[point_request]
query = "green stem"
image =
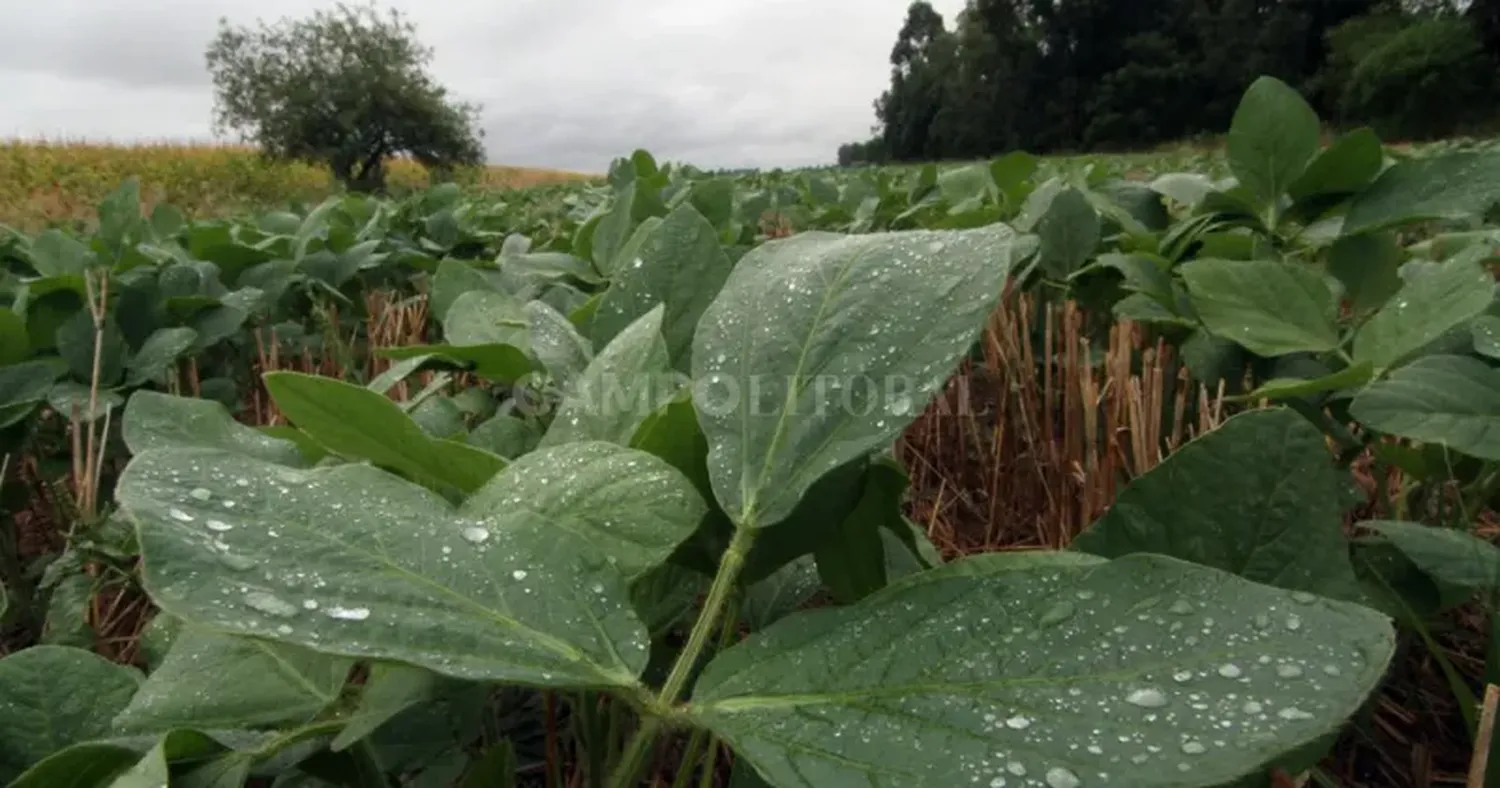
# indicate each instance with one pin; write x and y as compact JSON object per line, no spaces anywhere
{"x":689,"y":759}
{"x":634,"y":760}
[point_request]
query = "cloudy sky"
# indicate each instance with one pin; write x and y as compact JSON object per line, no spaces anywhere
{"x":564,"y":83}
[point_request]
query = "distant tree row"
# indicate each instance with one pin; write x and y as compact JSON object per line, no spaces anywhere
{"x":1056,"y":75}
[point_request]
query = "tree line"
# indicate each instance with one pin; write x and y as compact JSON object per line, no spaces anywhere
{"x":1072,"y":75}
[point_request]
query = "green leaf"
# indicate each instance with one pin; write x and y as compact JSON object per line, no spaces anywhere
{"x":852,"y":563}
{"x":154,"y":420}
{"x":1449,"y":400}
{"x":356,"y":562}
{"x":1367,"y":266}
{"x":631,"y":505}
{"x":212,"y":681}
{"x":486,"y":317}
{"x":453,"y":279}
{"x":158,"y":356}
{"x":1288,"y":388}
{"x":1069,"y":232}
{"x":356,"y":422}
{"x":1258,"y":497}
{"x":787,"y":589}
{"x":497,"y":363}
{"x":1273,"y":136}
{"x":56,"y":697}
{"x":495,"y":769}
{"x":15,"y":345}
{"x":1427,"y":307}
{"x":681,"y":266}
{"x":1270,"y":308}
{"x":1486,"y":332}
{"x":505,"y":436}
{"x":390,"y":689}
{"x":1345,"y":167}
{"x":1448,"y":186}
{"x":563,"y":352}
{"x":1053,"y":672}
{"x":24,"y":385}
{"x":75,"y":343}
{"x":55,"y":253}
{"x":70,"y":398}
{"x":1445,"y":554}
{"x":622,"y":387}
{"x":822,"y":347}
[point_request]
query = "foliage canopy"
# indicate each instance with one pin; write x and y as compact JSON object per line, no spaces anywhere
{"x":347,"y":87}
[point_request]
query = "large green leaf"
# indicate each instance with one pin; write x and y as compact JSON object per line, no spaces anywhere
{"x":627,"y":382}
{"x":52,"y":697}
{"x":1424,"y":309}
{"x":556,"y":342}
{"x":351,"y":560}
{"x":356,"y":422}
{"x":1273,"y":136}
{"x":1271,"y":308}
{"x":632,"y":506}
{"x":158,"y":355}
{"x":77,"y":340}
{"x":155,"y":421}
{"x":1368,"y":267}
{"x":486,"y":317}
{"x":822,"y":347}
{"x":680,"y":266}
{"x":1146,"y":668}
{"x":1344,"y":167}
{"x":1446,"y":554}
{"x":1069,"y":232}
{"x":212,"y":681}
{"x":1258,"y":496}
{"x":1448,"y":400}
{"x":1442,"y":186}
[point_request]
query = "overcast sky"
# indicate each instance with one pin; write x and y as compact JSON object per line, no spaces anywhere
{"x":564,"y":83}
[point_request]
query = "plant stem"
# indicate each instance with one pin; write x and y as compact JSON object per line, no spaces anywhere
{"x":634,"y":759}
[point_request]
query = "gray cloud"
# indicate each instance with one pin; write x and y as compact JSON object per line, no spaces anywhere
{"x":564,"y":83}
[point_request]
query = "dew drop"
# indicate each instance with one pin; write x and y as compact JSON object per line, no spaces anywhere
{"x":1294,"y":622}
{"x":310,"y":604}
{"x":1147,"y":698}
{"x":284,"y":629}
{"x":179,"y":515}
{"x":1230,"y":671}
{"x":1303,"y":597}
{"x":475,"y":534}
{"x":1018,"y":723}
{"x":1193,"y":748}
{"x":1085,"y":594}
{"x":270,"y":604}
{"x":1058,"y":613}
{"x":1058,"y":777}
{"x":998,"y":782}
{"x":1252,"y":707}
{"x":1016,"y":768}
{"x":1181,"y":607}
{"x":200,"y":494}
{"x":218,"y":525}
{"x":1289,"y":671}
{"x":519,"y":574}
{"x":1182,"y":676}
{"x":348,"y":613}
{"x":1332,"y":670}
{"x":238,"y":563}
{"x":1293,"y":713}
{"x":1262,"y":622}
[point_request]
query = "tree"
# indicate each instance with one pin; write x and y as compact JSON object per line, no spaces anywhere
{"x":347,"y":88}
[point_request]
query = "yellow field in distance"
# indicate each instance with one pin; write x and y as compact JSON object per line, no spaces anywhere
{"x":45,"y":183}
